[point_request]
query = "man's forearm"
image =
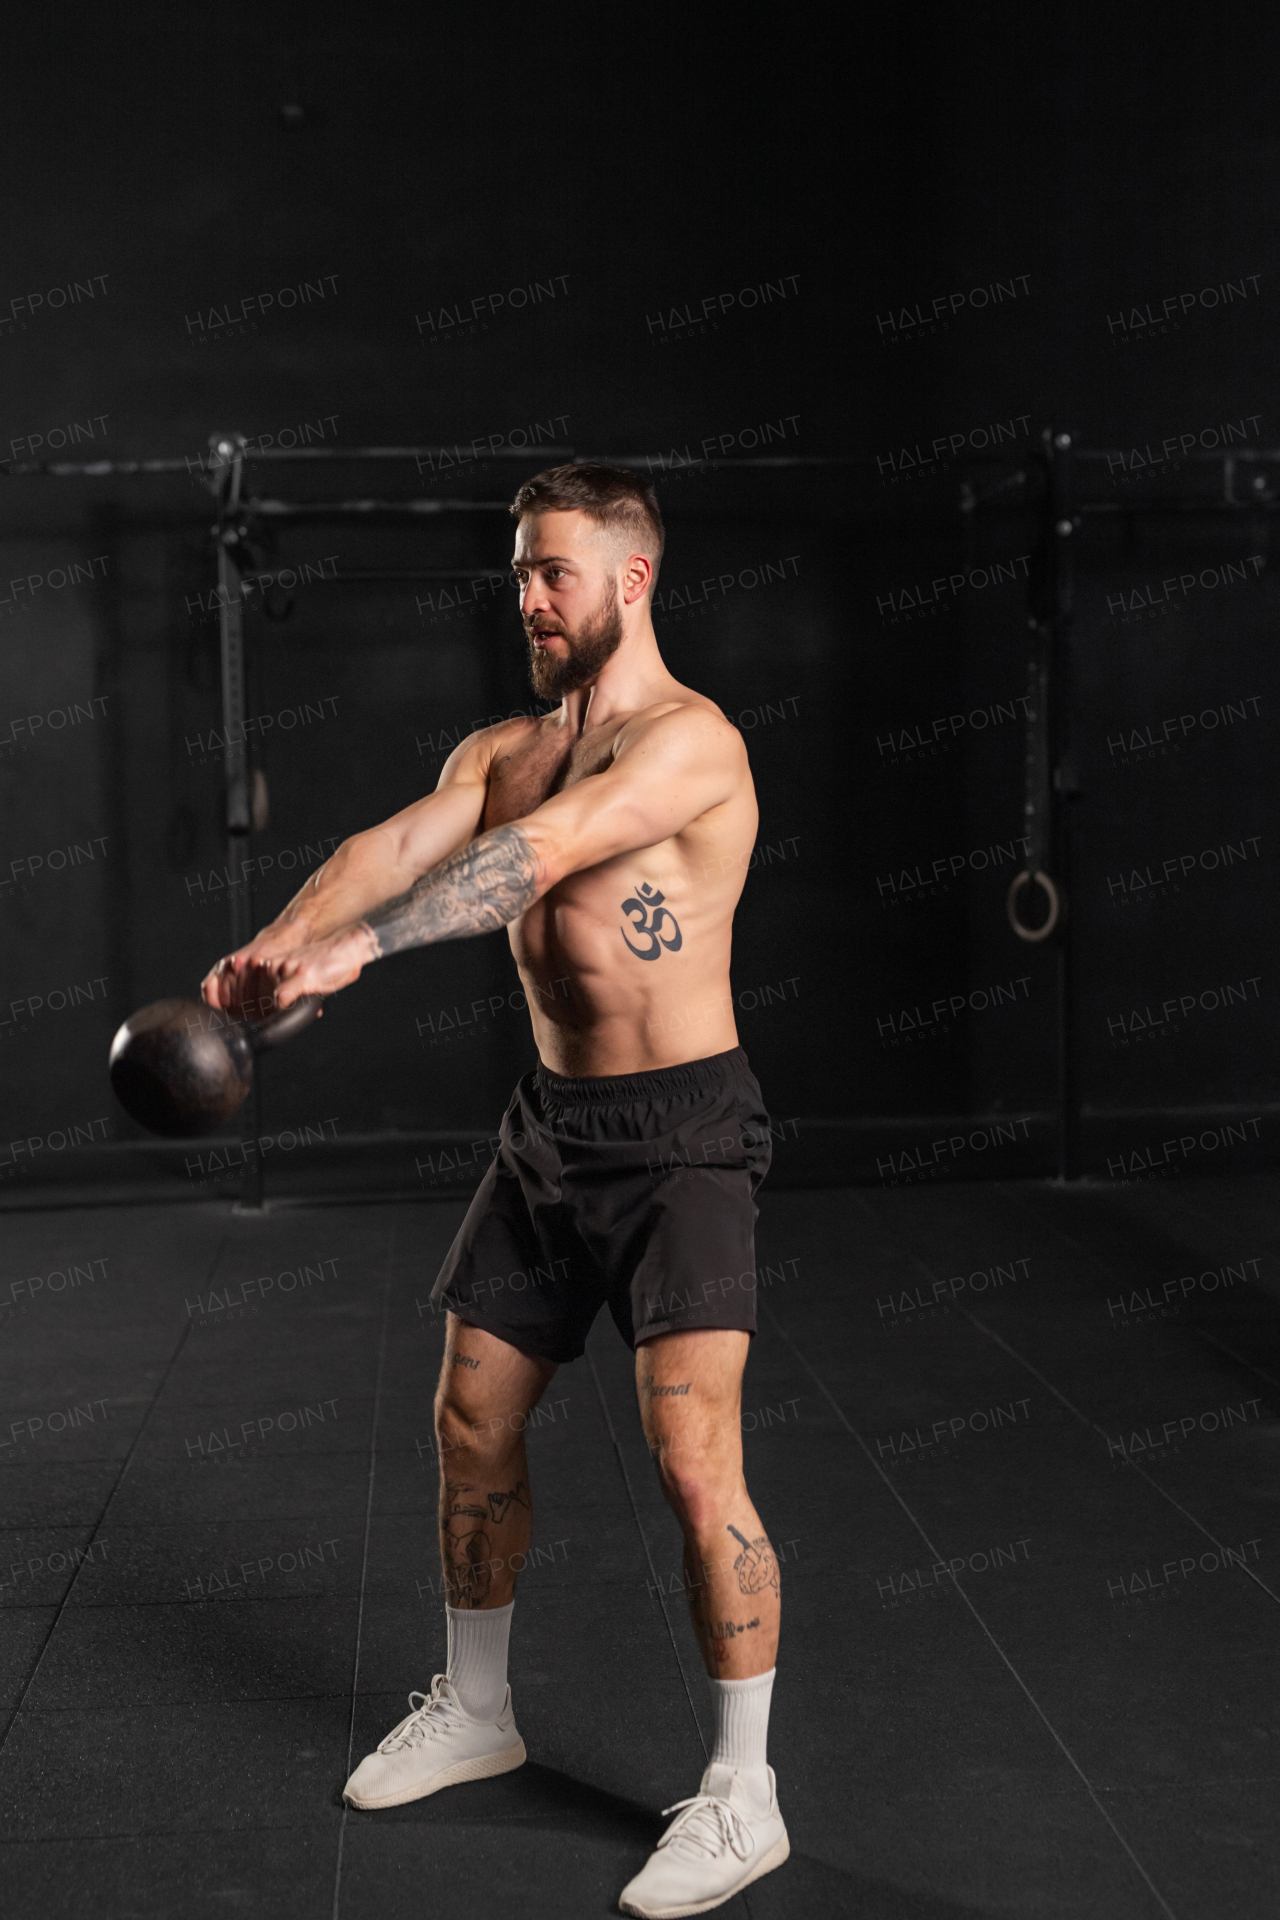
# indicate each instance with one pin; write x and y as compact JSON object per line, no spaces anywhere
{"x":483,"y":886}
{"x":357,"y":877}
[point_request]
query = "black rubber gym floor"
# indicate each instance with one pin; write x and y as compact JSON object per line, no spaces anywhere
{"x":1015,"y":1446}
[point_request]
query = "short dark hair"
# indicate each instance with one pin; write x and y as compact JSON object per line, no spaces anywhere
{"x":610,"y":496}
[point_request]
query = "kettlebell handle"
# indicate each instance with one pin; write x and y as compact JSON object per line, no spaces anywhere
{"x":281,"y":1026}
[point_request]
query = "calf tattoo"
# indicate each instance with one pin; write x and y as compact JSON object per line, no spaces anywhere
{"x":500,"y":1504}
{"x":637,"y":911}
{"x":658,"y":1393}
{"x":462,"y":1360}
{"x":468,"y":1562}
{"x":485,"y":885}
{"x":467,"y":1569}
{"x":755,"y":1566}
{"x":721,"y":1632}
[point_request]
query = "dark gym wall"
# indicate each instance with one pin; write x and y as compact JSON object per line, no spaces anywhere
{"x":385,"y":176}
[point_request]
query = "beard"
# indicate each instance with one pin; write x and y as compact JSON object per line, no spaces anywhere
{"x":595,"y":641}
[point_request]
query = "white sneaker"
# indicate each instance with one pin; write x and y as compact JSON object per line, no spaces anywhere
{"x":716,"y":1847}
{"x":437,"y":1745}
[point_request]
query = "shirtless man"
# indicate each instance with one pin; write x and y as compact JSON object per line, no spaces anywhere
{"x":611,"y":837}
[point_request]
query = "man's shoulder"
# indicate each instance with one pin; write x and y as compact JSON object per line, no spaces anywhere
{"x":474,"y":756}
{"x":686,"y":719}
{"x":517,"y":726}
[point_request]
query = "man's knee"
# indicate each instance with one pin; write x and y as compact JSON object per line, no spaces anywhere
{"x":485,"y":1392}
{"x":471,"y":1422}
{"x":697,"y":1475}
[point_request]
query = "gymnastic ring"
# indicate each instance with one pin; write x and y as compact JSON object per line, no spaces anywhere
{"x":1033,"y":934}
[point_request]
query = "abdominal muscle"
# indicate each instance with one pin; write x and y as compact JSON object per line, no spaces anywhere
{"x":619,"y":980}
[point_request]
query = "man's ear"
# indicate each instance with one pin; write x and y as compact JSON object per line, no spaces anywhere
{"x":636,"y":577}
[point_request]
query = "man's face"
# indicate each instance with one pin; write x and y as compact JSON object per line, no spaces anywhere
{"x":568,"y":600}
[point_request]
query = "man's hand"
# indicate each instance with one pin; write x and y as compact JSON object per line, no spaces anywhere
{"x":367,"y":869}
{"x":244,"y":983}
{"x":326,"y":965}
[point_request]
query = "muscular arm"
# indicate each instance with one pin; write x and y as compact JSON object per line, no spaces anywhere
{"x":476,"y":890}
{"x":667,"y":771}
{"x":364,"y":870}
{"x":369,"y":865}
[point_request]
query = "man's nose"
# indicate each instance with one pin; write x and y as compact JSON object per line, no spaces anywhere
{"x":534,"y":598}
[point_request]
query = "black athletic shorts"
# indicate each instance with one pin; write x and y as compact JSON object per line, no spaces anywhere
{"x":633,"y":1190}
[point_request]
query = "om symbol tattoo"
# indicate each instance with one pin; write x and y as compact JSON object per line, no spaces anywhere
{"x":638,"y":910}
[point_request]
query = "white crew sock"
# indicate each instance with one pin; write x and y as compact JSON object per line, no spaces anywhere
{"x":477,"y":1666}
{"x":742,"y":1730}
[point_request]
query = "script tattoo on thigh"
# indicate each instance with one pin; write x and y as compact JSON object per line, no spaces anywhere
{"x":755,"y":1566}
{"x":637,"y":909}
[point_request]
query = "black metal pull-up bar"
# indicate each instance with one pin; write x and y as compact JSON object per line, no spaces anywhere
{"x":220,"y":457}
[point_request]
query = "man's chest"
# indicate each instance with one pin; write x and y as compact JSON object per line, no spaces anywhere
{"x":521,"y":780}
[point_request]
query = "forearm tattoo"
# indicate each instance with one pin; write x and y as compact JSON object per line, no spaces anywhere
{"x":483,"y":886}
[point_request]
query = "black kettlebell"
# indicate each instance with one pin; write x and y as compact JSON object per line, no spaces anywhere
{"x":180,"y":1068}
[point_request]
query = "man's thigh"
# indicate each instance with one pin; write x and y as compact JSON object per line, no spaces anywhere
{"x":486,"y":1382}
{"x":530,"y":1285}
{"x":689,"y":1240}
{"x":690,"y":1391}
